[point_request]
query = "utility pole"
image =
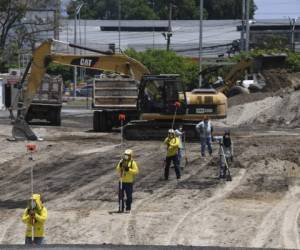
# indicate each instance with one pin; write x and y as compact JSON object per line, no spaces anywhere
{"x":153,"y":28}
{"x":247,"y":25}
{"x":169,"y":34}
{"x":293,"y":25}
{"x":119,"y":25}
{"x":242,"y":42}
{"x":75,"y":41}
{"x":77,"y":11}
{"x":200,"y":41}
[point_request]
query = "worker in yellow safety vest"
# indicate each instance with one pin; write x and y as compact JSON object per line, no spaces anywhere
{"x":172,"y":142}
{"x":127,"y":168}
{"x":35,"y":216}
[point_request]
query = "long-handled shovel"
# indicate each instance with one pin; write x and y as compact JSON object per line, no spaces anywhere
{"x":177,"y":106}
{"x":121,"y":196}
{"x":185,"y":154}
{"x":31,"y":148}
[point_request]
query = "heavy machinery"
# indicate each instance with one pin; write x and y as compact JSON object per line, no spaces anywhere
{"x":233,"y":83}
{"x":43,"y":56}
{"x":157,"y":108}
{"x":47,"y":103}
{"x":156,"y":95}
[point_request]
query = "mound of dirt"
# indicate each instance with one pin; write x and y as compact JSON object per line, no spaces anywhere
{"x":277,"y":111}
{"x":246,"y":98}
{"x":276,"y":79}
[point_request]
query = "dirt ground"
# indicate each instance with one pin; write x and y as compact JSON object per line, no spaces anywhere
{"x":74,"y":170}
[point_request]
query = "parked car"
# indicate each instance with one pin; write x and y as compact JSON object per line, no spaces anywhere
{"x":85,"y":91}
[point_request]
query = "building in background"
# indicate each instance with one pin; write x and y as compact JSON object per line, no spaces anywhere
{"x":269,"y":34}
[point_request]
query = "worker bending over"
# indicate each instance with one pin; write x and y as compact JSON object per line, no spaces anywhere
{"x":35,"y":216}
{"x":127,"y":169}
{"x":172,"y":143}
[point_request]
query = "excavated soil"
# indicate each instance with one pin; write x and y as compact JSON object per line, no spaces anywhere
{"x":276,"y":79}
{"x":74,"y":170}
{"x":276,"y":107}
{"x":75,"y":173}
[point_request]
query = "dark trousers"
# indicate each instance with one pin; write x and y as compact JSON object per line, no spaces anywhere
{"x":205,"y":141}
{"x":173,"y":159}
{"x":36,"y":241}
{"x":127,"y":189}
{"x":7,"y":89}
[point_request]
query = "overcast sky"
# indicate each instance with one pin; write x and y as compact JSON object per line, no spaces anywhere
{"x":274,"y":9}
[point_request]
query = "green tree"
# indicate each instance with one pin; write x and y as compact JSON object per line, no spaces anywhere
{"x":18,"y":29}
{"x":227,"y":9}
{"x":159,"y":9}
{"x":168,"y":62}
{"x":95,"y":9}
{"x":137,"y":10}
{"x":108,"y":9}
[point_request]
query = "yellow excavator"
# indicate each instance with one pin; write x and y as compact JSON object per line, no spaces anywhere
{"x":232,"y":83}
{"x":155,"y":109}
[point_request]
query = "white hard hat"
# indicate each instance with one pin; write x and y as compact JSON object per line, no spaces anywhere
{"x":128,"y":152}
{"x":171,"y":131}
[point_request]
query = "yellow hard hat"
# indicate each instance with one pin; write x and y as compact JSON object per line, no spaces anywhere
{"x":128,"y":152}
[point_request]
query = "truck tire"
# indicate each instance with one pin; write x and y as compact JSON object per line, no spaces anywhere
{"x":236,"y":90}
{"x":96,"y":121}
{"x":58,"y":118}
{"x":55,"y":119}
{"x":99,"y":121}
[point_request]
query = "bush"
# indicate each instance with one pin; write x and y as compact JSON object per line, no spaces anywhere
{"x":168,"y":62}
{"x":293,"y":62}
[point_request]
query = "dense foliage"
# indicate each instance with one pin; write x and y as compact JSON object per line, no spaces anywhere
{"x":292,"y":60}
{"x":159,"y":9}
{"x":168,"y":62}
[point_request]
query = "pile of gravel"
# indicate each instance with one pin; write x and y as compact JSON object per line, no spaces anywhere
{"x":271,"y":112}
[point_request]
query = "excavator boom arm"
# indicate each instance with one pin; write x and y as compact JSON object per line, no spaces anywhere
{"x":42,"y":56}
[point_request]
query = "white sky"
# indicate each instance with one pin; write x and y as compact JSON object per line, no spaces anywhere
{"x":277,"y":9}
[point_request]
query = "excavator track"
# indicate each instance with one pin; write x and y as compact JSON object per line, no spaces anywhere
{"x":157,"y":130}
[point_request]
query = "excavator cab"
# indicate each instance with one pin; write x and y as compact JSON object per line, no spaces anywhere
{"x":158,"y":110}
{"x":158,"y":94}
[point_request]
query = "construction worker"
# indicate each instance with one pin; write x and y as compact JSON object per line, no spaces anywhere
{"x":127,"y":169}
{"x":172,"y":143}
{"x":35,"y":216}
{"x":180,"y":134}
{"x":205,"y":129}
{"x":226,"y":153}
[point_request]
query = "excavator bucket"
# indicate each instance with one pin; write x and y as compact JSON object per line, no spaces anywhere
{"x":22,"y":131}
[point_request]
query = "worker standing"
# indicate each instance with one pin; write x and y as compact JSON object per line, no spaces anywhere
{"x":127,"y":169}
{"x":172,"y":143}
{"x":35,"y":216}
{"x":180,"y":134}
{"x":205,"y":129}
